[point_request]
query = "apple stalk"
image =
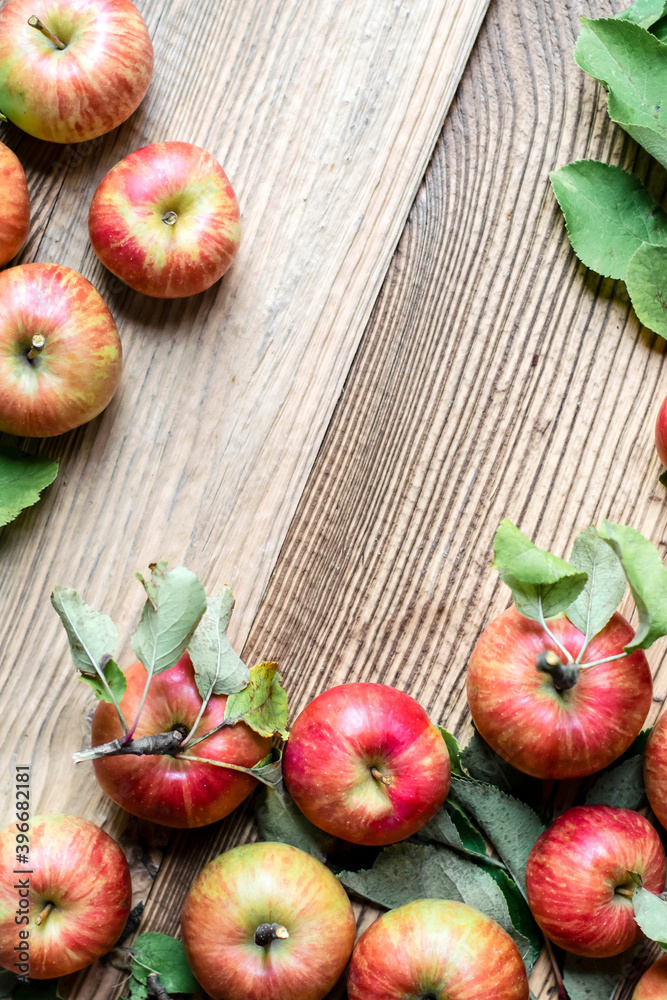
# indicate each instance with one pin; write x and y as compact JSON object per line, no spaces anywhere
{"x":35,"y":22}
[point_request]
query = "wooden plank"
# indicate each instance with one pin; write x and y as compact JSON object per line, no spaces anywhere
{"x":324,"y":115}
{"x":497,"y":377}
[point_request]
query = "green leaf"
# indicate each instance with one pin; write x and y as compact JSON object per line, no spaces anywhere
{"x":519,"y":911}
{"x":511,"y":826}
{"x":453,"y":749}
{"x":218,"y":668}
{"x":542,"y":584}
{"x":115,"y":682}
{"x":609,"y":214}
{"x":621,"y":786}
{"x":405,"y":872}
{"x":166,"y":956}
{"x":604,"y":588}
{"x":662,"y":478}
{"x":646,"y":282}
{"x":632,"y":64}
{"x":484,"y":764}
{"x":452,"y":827}
{"x":651,"y":915}
{"x":647,"y":577}
{"x":644,"y":12}
{"x":278,"y":818}
{"x":22,"y":479}
{"x":262,"y":704}
{"x":93,"y":638}
{"x":592,"y":978}
{"x":175,"y":605}
{"x":660,"y":29}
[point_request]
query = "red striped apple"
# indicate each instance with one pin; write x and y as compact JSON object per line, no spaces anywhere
{"x":541,"y":727}
{"x":165,"y":220}
{"x":655,"y":769}
{"x":435,"y":948}
{"x":267,"y":920}
{"x":661,"y":432}
{"x":15,"y":200}
{"x":164,"y":788}
{"x":60,"y":353}
{"x":653,"y":984}
{"x":365,"y":763}
{"x":68,"y":903}
{"x":581,"y":875}
{"x":71,"y":70}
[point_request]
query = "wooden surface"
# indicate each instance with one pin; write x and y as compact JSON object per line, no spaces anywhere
{"x":324,"y":116}
{"x":496,"y":377}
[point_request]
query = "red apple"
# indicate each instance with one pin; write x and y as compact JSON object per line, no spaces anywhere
{"x":166,"y":220}
{"x":435,"y":948}
{"x":365,"y":763}
{"x":15,"y":201}
{"x":655,"y":769}
{"x":581,"y":875}
{"x":71,"y":70}
{"x":60,"y":353}
{"x":167,"y":789}
{"x":267,"y":921}
{"x":546,"y":731}
{"x":661,"y":432}
{"x":653,"y":984}
{"x":67,"y":903}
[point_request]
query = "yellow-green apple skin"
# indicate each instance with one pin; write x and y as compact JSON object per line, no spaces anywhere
{"x":262,"y":884}
{"x":436,"y":949}
{"x":82,"y":873}
{"x":165,"y":220}
{"x":14,"y":205}
{"x":74,"y":374}
{"x":653,"y":984}
{"x":87,"y":88}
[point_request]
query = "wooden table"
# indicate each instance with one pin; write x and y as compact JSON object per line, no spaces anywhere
{"x":495,"y":377}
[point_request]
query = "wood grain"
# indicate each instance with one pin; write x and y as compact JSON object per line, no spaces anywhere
{"x":497,"y":377}
{"x":324,"y":115}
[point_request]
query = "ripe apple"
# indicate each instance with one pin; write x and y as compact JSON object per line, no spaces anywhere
{"x":655,"y":769}
{"x":661,"y":432}
{"x":581,"y":875}
{"x":546,"y":731}
{"x":365,"y":763}
{"x":267,"y":920}
{"x":653,"y":984}
{"x":67,"y":903}
{"x":60,"y":353}
{"x":435,"y":948}
{"x":164,"y":788}
{"x":15,"y":200}
{"x":71,"y":70}
{"x":166,"y":220}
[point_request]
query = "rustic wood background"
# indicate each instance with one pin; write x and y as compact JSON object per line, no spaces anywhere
{"x":496,"y":377}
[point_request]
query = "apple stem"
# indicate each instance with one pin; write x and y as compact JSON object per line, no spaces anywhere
{"x":160,"y":744}
{"x":564,"y":675}
{"x":266,"y":933}
{"x":35,"y":22}
{"x":44,"y":914}
{"x":624,"y":890}
{"x":170,"y":218}
{"x":379,"y":776}
{"x":37,"y":345}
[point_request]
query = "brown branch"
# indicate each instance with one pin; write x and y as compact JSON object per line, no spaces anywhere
{"x":160,"y":744}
